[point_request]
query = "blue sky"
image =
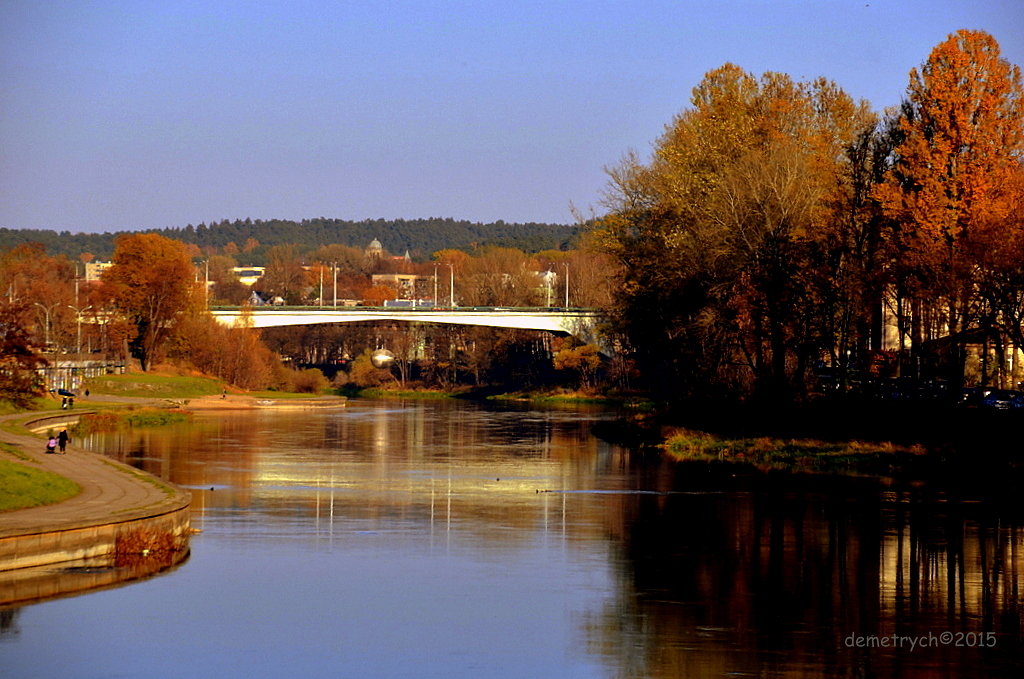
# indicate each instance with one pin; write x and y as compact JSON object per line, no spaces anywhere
{"x":129,"y":115}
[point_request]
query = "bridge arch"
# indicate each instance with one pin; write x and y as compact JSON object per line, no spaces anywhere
{"x":580,"y":323}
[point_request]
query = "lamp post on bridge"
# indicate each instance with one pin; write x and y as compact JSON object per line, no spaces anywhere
{"x":566,"y":265}
{"x":451,"y":283}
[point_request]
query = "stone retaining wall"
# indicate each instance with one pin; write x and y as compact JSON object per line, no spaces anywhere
{"x":167,"y":532}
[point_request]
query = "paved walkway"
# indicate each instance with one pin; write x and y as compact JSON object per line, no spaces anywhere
{"x":111,"y":491}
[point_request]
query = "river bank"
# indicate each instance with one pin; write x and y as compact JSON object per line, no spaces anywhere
{"x":120,"y":516}
{"x":912,"y":440}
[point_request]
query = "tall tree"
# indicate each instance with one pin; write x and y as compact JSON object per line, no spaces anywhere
{"x":499,"y":277}
{"x":954,"y":178}
{"x":19,"y":378}
{"x":284,"y":276}
{"x":719,"y":237}
{"x":150,"y":283}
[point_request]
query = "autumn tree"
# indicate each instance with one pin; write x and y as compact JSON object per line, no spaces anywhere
{"x":587,"y":272}
{"x":954,"y":182}
{"x":497,"y":276}
{"x":150,"y":283}
{"x":376,"y":295}
{"x":717,"y":239}
{"x":235,"y":354}
{"x":20,"y":381}
{"x":284,"y":276}
{"x":225,"y":288}
{"x":345,"y":258}
{"x":46,"y":285}
{"x":581,"y":360}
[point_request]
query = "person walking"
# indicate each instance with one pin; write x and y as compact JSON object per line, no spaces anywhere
{"x":51,"y":444}
{"x":63,"y":438}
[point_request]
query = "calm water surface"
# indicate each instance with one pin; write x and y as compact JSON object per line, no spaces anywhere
{"x":444,"y":539}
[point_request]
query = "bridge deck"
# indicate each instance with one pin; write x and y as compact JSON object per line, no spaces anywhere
{"x":578,"y":322}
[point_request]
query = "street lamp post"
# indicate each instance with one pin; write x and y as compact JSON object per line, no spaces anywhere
{"x":78,"y":330}
{"x":451,"y":285}
{"x":46,"y":328}
{"x":566,"y":265}
{"x":47,"y":310}
{"x":334,"y":267}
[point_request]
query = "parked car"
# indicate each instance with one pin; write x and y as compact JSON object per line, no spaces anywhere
{"x":1003,"y":399}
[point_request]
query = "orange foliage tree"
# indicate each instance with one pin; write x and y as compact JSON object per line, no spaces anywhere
{"x":723,"y":242}
{"x":150,"y":283}
{"x":954,"y":183}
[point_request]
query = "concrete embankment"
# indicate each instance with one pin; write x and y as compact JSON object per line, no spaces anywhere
{"x":123,"y":519}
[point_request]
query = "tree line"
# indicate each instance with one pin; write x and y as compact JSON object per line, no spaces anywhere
{"x":154,"y":306}
{"x":249,"y":239}
{"x":782,"y":231}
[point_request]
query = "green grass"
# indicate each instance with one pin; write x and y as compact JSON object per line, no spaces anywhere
{"x":13,"y":450}
{"x":802,"y":455}
{"x":38,"y":403}
{"x":154,"y":386}
{"x":22,"y":486}
{"x":376,"y":392}
{"x":134,"y":417}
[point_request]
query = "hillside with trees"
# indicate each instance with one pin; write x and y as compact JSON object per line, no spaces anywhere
{"x":250,"y":239}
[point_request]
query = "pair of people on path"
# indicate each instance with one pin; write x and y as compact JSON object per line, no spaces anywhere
{"x":60,"y":440}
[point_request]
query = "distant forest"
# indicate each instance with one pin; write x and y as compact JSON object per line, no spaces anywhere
{"x":421,"y":237}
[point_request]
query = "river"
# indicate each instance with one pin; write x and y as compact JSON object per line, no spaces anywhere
{"x":450,"y":539}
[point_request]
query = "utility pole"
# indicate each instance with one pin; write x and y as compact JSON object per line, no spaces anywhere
{"x":334,"y":266}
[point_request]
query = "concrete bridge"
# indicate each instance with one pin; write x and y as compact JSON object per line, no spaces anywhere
{"x":581,"y":323}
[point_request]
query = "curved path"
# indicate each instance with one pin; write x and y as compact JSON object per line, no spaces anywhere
{"x":113,"y":494}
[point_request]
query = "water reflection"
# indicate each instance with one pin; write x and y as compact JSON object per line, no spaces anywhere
{"x":24,"y":586}
{"x":799,"y":578}
{"x":664,"y":570}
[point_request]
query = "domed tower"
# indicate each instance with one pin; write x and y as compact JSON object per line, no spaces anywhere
{"x":374,"y":250}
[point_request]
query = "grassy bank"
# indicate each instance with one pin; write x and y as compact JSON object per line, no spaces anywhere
{"x":377,"y":392}
{"x":38,"y":403}
{"x":155,"y":386}
{"x":22,"y":486}
{"x":800,"y":455}
{"x":574,"y":397}
{"x":135,"y":417}
{"x":492,"y":394}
